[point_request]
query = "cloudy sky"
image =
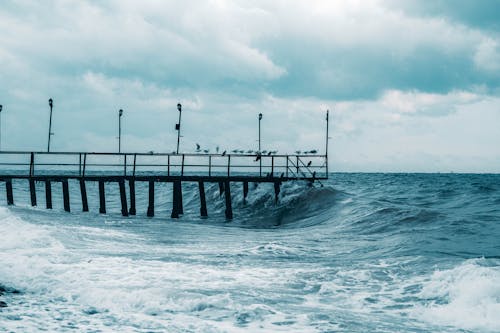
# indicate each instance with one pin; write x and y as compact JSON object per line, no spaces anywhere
{"x":411,"y":85}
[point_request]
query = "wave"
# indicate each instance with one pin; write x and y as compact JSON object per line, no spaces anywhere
{"x":466,"y":296}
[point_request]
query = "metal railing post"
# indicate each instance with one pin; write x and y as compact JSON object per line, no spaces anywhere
{"x":182,"y":166}
{"x":209,"y":165}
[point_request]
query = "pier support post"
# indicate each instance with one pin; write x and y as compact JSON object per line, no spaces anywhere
{"x":151,"y":206}
{"x":102,"y":198}
{"x":83,"y":192}
{"x":245,"y":191}
{"x":123,"y":198}
{"x":65,"y":188}
{"x":48,"y":194}
{"x":229,"y":208}
{"x":277,"y":190}
{"x":203,"y":201}
{"x":221,"y":188}
{"x":32,"y":192}
{"x":8,"y":188}
{"x":131,"y":185}
{"x":177,"y":200}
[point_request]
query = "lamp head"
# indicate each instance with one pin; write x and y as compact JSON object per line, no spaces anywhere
{"x":179,"y":107}
{"x":260,"y":116}
{"x":120,"y":113}
{"x":51,"y":102}
{"x":1,"y":107}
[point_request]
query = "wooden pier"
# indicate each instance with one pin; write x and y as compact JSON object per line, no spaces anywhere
{"x":129,"y":168}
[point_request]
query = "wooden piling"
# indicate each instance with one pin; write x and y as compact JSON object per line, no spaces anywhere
{"x":229,"y":208}
{"x":8,"y":188}
{"x":277,"y":190}
{"x":65,"y":188}
{"x":245,"y":191}
{"x":32,"y":192}
{"x":102,"y":198}
{"x":203,"y":201}
{"x":83,"y":192}
{"x":123,"y":197}
{"x":221,"y":188}
{"x":48,"y":194}
{"x":177,"y":200}
{"x":131,"y":185}
{"x":151,"y":206}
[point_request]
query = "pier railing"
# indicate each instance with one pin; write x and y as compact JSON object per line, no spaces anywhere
{"x":22,"y":164}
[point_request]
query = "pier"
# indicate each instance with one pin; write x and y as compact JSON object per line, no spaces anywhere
{"x":51,"y":168}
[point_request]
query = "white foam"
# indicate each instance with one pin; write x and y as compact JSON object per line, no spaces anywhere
{"x":467,"y":297}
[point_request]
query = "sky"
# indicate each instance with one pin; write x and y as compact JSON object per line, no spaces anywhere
{"x":412,"y":86}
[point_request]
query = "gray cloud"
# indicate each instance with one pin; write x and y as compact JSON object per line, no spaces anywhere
{"x":386,"y":69}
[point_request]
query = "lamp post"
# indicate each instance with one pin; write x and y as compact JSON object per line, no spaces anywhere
{"x":1,"y":107}
{"x":260,"y":118}
{"x":51,"y":104}
{"x":120,"y":114}
{"x":178,"y":126}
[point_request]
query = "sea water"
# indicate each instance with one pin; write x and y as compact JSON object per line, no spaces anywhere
{"x":362,"y":253}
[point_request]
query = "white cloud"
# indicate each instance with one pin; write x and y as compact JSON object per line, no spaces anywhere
{"x":487,"y":56}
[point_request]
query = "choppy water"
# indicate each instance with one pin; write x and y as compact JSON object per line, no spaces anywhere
{"x":365,"y":253}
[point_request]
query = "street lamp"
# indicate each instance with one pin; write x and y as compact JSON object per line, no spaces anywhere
{"x":260,"y":118}
{"x":178,"y":126}
{"x":51,"y":104}
{"x":120,"y":114}
{"x":1,"y":107}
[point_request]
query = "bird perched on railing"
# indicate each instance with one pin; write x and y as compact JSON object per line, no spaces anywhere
{"x":198,"y":148}
{"x":297,"y":152}
{"x":224,"y":153}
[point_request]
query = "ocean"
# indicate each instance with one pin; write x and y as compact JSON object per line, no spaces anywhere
{"x":363,"y":253}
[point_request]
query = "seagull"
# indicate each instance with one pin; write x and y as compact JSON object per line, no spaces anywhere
{"x":314,"y":151}
{"x":198,"y":149}
{"x":264,"y":152}
{"x":241,"y":151}
{"x":234,"y":151}
{"x":250,"y":151}
{"x":297,"y":152}
{"x":269,"y":154}
{"x":206,"y":151}
{"x":309,"y":164}
{"x":274,"y":152}
{"x":224,"y":153}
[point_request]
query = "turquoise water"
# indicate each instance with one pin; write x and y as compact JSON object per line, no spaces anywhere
{"x":364,"y":253}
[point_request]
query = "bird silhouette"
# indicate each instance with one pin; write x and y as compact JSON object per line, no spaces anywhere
{"x":297,"y":152}
{"x":264,"y":152}
{"x":217,"y":149}
{"x":224,"y":153}
{"x":269,"y":154}
{"x":206,"y":151}
{"x":314,"y":151}
{"x":257,"y":158}
{"x":309,"y":164}
{"x":234,"y":151}
{"x":198,"y":148}
{"x":250,"y":151}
